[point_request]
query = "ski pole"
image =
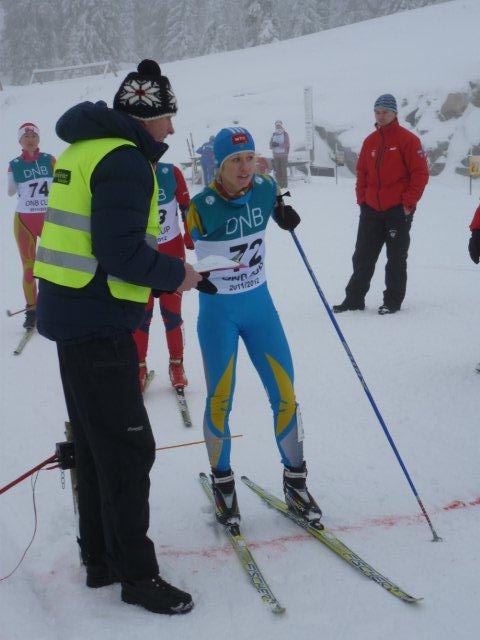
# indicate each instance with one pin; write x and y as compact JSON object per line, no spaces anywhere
{"x":14,"y":313}
{"x":436,"y":538}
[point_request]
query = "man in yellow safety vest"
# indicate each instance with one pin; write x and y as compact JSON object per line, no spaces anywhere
{"x":97,"y":263}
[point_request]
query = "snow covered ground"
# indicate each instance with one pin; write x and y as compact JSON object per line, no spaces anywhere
{"x":419,"y":365}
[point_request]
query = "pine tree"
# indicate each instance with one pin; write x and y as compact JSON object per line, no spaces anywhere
{"x":182,"y":32}
{"x":150,"y":28}
{"x":91,"y":31}
{"x":309,"y":16}
{"x":29,"y":38}
{"x":261,"y":23}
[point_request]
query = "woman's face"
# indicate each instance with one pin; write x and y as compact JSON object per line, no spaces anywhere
{"x":29,"y":141}
{"x":237,"y":171}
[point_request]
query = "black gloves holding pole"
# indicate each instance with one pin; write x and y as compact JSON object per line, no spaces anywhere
{"x":474,"y":246}
{"x":284,"y":215}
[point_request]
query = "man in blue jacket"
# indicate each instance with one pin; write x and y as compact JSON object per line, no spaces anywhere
{"x":97,"y":263}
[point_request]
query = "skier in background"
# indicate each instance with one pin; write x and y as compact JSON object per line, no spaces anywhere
{"x":229,"y":218}
{"x":172,"y":195}
{"x":474,"y":245}
{"x":29,"y":176}
{"x":280,"y":146}
{"x":207,"y":160}
{"x":392,"y":173}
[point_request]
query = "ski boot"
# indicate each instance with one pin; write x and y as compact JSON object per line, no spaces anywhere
{"x":297,"y":496}
{"x":30,"y":320}
{"x":177,"y":373}
{"x":226,"y":505}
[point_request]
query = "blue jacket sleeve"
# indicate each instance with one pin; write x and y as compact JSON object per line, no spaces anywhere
{"x":122,"y":186}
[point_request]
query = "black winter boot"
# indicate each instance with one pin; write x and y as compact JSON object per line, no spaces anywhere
{"x":383,"y":310}
{"x":348,"y":306}
{"x":226,"y":505}
{"x":157,"y":595}
{"x":100,"y":575}
{"x":297,"y":496}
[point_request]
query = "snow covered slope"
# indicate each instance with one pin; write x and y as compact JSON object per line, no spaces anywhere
{"x":419,"y":365}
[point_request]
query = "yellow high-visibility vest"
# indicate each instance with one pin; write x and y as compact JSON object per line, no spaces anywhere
{"x":64,"y":255}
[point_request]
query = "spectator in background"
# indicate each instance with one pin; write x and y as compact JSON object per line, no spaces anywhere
{"x":280,"y":146}
{"x":392,"y":173}
{"x":474,"y":244}
{"x":207,"y":160}
{"x":29,"y":177}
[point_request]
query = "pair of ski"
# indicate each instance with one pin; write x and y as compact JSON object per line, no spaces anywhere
{"x":323,"y":535}
{"x":179,"y":396}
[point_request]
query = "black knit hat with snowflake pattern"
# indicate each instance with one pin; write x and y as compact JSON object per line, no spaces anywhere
{"x":146,"y":94}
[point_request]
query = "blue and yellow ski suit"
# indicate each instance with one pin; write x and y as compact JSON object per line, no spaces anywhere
{"x":242,"y":308}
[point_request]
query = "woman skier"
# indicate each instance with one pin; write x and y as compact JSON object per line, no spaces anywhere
{"x":29,"y":176}
{"x":229,"y":218}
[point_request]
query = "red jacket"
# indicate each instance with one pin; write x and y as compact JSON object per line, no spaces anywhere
{"x":391,"y":169}
{"x":475,"y":223}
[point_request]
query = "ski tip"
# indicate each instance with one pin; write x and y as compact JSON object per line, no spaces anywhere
{"x":412,"y":600}
{"x":278,"y":609}
{"x":244,"y":478}
{"x":202,"y":474}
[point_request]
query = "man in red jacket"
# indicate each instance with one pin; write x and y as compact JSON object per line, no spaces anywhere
{"x":392,"y":173}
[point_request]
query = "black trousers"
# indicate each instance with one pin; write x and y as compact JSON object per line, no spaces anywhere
{"x":114,"y":452}
{"x":376,"y":228}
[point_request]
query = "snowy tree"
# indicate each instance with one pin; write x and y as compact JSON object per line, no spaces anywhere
{"x":261,"y":22}
{"x":92,"y":32}
{"x":80,"y":31}
{"x":150,"y":28}
{"x":217,"y":37}
{"x":182,"y":34}
{"x":29,"y":38}
{"x":309,"y":16}
{"x":127,"y":45}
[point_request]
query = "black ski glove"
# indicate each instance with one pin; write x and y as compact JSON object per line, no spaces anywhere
{"x":474,"y":246}
{"x":286,"y":217}
{"x":205,"y":285}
